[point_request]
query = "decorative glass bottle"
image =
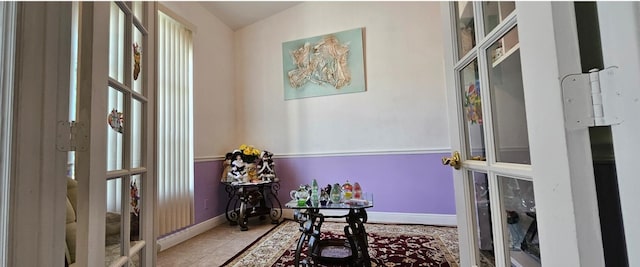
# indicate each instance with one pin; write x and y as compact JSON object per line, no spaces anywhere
{"x":315,"y":193}
{"x":347,"y":189}
{"x":336,"y":193}
{"x":357,"y":191}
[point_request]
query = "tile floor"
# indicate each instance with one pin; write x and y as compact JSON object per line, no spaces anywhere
{"x":214,"y":247}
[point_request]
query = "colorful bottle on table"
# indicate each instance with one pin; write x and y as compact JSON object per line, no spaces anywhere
{"x":315,"y":192}
{"x":347,"y":189}
{"x":357,"y":191}
{"x":335,"y":194}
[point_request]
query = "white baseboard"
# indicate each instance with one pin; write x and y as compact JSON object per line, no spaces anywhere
{"x":189,"y":232}
{"x":393,"y":217}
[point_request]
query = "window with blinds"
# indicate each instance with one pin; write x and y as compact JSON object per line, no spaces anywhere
{"x":175,"y":125}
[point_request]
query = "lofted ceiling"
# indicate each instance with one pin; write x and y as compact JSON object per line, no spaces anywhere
{"x":237,"y":14}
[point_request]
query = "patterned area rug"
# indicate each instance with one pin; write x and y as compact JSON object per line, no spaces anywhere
{"x":389,"y":245}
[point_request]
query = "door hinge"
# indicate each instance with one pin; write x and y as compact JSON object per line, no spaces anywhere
{"x":591,"y":99}
{"x":72,"y":136}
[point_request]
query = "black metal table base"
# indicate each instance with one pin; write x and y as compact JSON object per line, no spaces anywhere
{"x":355,"y":219}
{"x":251,"y":200}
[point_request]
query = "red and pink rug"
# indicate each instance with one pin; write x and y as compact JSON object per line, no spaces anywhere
{"x":389,"y":245}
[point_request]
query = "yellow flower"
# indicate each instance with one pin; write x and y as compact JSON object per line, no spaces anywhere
{"x":249,"y":150}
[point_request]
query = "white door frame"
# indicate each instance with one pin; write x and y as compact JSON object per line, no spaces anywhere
{"x":7,"y":51}
{"x":91,"y":163}
{"x":464,"y":216}
{"x":38,"y":185}
{"x":568,"y":221}
{"x":150,"y":220}
{"x":620,"y":35}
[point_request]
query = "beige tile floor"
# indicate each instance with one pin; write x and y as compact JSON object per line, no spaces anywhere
{"x":214,"y":247}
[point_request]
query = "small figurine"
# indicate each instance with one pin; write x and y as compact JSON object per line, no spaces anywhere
{"x":226,"y":168}
{"x":238,"y":171}
{"x":324,"y":194}
{"x":137,"y":54}
{"x":266,"y":167}
{"x":134,"y":198}
{"x":115,"y":119}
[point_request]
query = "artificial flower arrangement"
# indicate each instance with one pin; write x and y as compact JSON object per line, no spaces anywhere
{"x":248,"y":164}
{"x":250,"y":154}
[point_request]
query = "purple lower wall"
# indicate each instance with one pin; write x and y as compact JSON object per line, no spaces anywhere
{"x":405,"y":183}
{"x":207,"y":188}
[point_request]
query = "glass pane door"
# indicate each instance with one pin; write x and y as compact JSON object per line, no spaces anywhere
{"x":126,"y":110}
{"x":482,"y":212}
{"x":519,"y":207}
{"x":511,"y":140}
{"x":472,"y":105}
{"x":114,"y":172}
{"x":496,"y":12}
{"x":500,"y":211}
{"x":465,"y":27}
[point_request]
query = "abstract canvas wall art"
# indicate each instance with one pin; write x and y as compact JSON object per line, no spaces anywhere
{"x":324,"y":65}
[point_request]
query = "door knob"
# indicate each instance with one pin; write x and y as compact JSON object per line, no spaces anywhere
{"x":453,"y":161}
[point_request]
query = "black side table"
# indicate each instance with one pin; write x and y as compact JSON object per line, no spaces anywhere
{"x":252,"y":199}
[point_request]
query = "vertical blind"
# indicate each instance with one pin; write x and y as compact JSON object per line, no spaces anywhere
{"x":175,"y":125}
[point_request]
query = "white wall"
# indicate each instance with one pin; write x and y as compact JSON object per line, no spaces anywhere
{"x":213,"y":90}
{"x":404,"y":107}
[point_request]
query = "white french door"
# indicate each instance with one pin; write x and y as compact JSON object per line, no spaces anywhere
{"x":497,"y":213}
{"x":115,"y":172}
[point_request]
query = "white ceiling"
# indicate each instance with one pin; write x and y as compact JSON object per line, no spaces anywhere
{"x":237,"y":14}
